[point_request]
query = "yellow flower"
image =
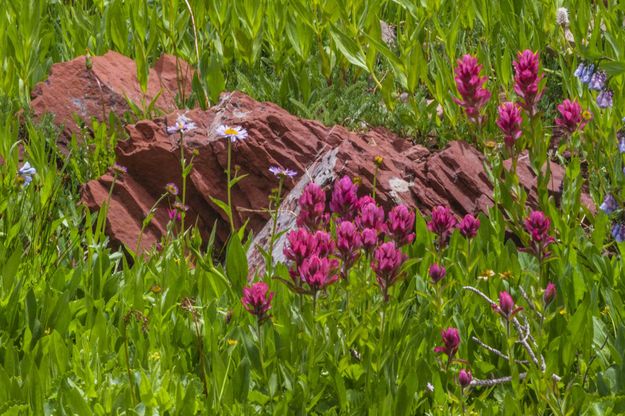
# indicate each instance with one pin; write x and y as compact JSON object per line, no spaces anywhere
{"x":232,"y":342}
{"x":155,"y":289}
{"x":486,"y":274}
{"x":155,"y":356}
{"x":505,"y":275}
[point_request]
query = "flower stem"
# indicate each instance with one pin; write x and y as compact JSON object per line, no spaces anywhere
{"x":274,"y":225}
{"x":228,"y":177}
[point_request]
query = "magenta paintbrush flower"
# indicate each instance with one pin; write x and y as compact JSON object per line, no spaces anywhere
{"x":469,"y":226}
{"x":537,"y":225}
{"x":527,"y":80}
{"x":369,"y":239}
{"x":371,"y":215}
{"x":451,"y":341}
{"x":509,"y":122}
{"x":442,"y":223}
{"x":464,"y":378}
{"x":400,"y":224}
{"x":344,"y":198}
{"x":437,"y":272}
{"x":318,"y":272}
{"x":387,"y":260}
{"x":348,"y":243}
{"x":571,"y":118}
{"x":506,"y":307}
{"x":471,"y":87}
{"x":257,"y":300}
{"x":550,"y":293}
{"x":312,"y":204}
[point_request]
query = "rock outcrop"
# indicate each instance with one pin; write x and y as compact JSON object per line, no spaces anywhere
{"x":74,"y":90}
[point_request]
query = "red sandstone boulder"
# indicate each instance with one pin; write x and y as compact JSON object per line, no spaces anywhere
{"x":74,"y":90}
{"x":410,"y":174}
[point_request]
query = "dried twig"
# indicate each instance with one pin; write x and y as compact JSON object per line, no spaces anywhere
{"x":496,"y":351}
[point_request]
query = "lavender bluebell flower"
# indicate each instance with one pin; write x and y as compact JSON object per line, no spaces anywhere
{"x":620,"y":136}
{"x":584,"y":72}
{"x":618,"y":232}
{"x":609,"y":204}
{"x":26,"y":172}
{"x":604,"y":99}
{"x":597,"y":81}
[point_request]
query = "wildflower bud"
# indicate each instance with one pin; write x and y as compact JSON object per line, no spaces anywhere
{"x":378,"y":160}
{"x":257,"y":301}
{"x":195,"y":152}
{"x":174,"y":214}
{"x":527,"y":80}
{"x":509,"y":121}
{"x":180,"y":207}
{"x":550,"y":293}
{"x":468,"y":226}
{"x":471,"y":87}
{"x":344,"y":198}
{"x":437,"y":272}
{"x":570,"y":119}
{"x":464,"y":378}
{"x":400,"y":224}
{"x":506,"y":305}
{"x":451,"y":341}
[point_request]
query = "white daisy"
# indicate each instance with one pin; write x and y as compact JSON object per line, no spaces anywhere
{"x":233,"y":133}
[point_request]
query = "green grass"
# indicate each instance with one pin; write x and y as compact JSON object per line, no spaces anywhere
{"x":85,"y":329}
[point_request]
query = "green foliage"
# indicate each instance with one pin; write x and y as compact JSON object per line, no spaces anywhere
{"x":83,"y":330}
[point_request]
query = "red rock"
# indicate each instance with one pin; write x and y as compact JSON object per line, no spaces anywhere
{"x":409,"y":173}
{"x":73,"y":90}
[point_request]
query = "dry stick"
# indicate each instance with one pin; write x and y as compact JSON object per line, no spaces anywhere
{"x":496,"y":351}
{"x":494,"y":381}
{"x":522,"y":339}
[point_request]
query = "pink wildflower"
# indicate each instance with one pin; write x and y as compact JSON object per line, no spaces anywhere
{"x":527,"y":80}
{"x":471,"y":87}
{"x":257,"y":301}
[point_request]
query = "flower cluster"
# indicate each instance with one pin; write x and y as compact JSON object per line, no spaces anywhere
{"x":596,"y":81}
{"x":361,"y":228}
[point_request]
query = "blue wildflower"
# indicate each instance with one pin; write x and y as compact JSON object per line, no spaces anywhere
{"x":604,"y":99}
{"x":26,"y":172}
{"x":621,"y":145}
{"x":183,"y":125}
{"x":609,"y":204}
{"x":597,"y":81}
{"x":618,"y":232}
{"x":584,"y":72}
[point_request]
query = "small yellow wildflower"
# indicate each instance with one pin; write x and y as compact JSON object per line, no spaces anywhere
{"x":232,"y":342}
{"x":486,"y":274}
